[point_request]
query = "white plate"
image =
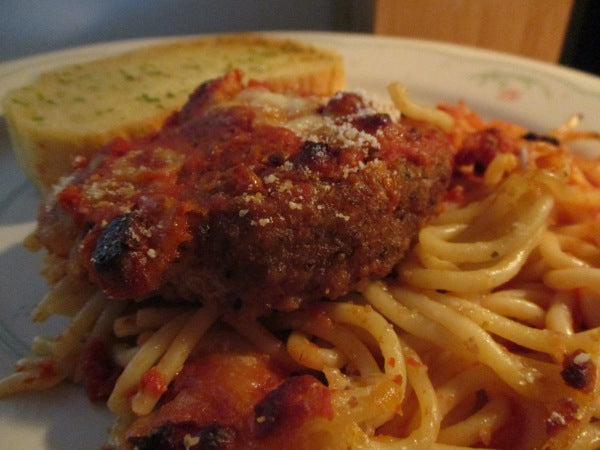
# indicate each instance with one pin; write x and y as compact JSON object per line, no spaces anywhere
{"x":537,"y":95}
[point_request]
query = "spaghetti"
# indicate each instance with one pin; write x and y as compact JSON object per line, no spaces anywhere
{"x":489,"y":335}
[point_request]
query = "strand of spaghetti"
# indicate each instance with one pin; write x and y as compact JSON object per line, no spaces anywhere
{"x":566,"y":437}
{"x":118,"y":430}
{"x":426,"y":434}
{"x":450,"y":229}
{"x":560,"y":319}
{"x":367,"y":318}
{"x":104,"y":324}
{"x":414,"y":322}
{"x":447,"y":365}
{"x":368,"y":403}
{"x":533,"y":418}
{"x":588,"y":307}
{"x":563,"y":279}
{"x":145,"y":319}
{"x":487,"y":215}
{"x":458,"y":392}
{"x":582,"y":230}
{"x":509,"y":368}
{"x":502,"y":164}
{"x":512,"y":199}
{"x":35,"y":374}
{"x":101,"y":331}
{"x":464,"y":384}
{"x":478,"y":280}
{"x":54,"y":269}
{"x":347,"y":342}
{"x":542,"y":340}
{"x":261,"y":337}
{"x":126,"y":326}
{"x":73,"y":336}
{"x":147,"y":355}
{"x":431,"y":261}
{"x":588,"y":438}
{"x":471,"y":252}
{"x":588,"y":165}
{"x":172,"y":361}
{"x":578,"y":247}
{"x":575,"y":200}
{"x":555,"y":257}
{"x":480,"y":426}
{"x":587,"y":339}
{"x":413,"y":110}
{"x":309,"y":354}
{"x":505,"y":304}
{"x":66,"y":297}
{"x":336,"y":380}
{"x":123,"y":354}
{"x":481,"y":251}
{"x":533,"y":291}
{"x":533,"y":271}
{"x":143,"y":337}
{"x":42,"y":345}
{"x":453,"y":221}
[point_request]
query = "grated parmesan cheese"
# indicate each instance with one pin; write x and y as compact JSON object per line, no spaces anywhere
{"x":257,"y":198}
{"x":582,"y":358}
{"x":190,"y":441}
{"x":263,"y":222}
{"x":271,"y":178}
{"x":558,"y":418}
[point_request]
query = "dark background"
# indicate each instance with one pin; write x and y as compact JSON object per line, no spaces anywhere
{"x":28,"y":27}
{"x":582,"y":44}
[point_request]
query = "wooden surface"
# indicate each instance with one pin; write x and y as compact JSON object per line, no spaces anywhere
{"x":532,"y":28}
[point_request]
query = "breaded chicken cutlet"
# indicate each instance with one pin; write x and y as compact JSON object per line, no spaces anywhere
{"x":252,"y":198}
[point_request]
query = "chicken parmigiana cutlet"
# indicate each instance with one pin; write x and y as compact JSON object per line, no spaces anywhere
{"x":253,"y":198}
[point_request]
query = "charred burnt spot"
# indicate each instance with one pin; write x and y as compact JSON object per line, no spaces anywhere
{"x":111,"y":243}
{"x":531,"y":136}
{"x":308,"y":266}
{"x":371,"y":123}
{"x":479,"y":168}
{"x":564,"y":413}
{"x":237,"y":304}
{"x":268,"y":414}
{"x":579,"y":371}
{"x":289,"y":405}
{"x":185,"y":436}
{"x":312,"y":153}
{"x":414,"y":134}
{"x":275,"y":159}
{"x":343,"y":104}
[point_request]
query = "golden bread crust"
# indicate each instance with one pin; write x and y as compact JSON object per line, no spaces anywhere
{"x":75,"y":110}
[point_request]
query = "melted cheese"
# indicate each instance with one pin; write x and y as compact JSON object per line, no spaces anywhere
{"x":300,"y":114}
